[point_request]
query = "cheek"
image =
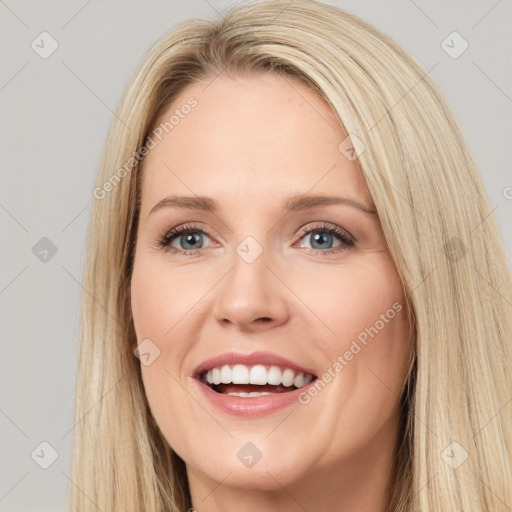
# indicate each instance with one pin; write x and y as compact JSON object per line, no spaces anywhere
{"x":165,"y":398}
{"x":365,"y":326}
{"x":154,"y":314}
{"x":352,"y":297}
{"x":158,"y":298}
{"x":335,"y":304}
{"x":160,"y":301}
{"x":346,"y":301}
{"x":143,"y":300}
{"x":365,"y":352}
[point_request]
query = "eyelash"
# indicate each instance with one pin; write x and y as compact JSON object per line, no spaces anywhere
{"x":164,"y":241}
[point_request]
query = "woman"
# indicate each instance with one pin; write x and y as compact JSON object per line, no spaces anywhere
{"x":228,"y":360}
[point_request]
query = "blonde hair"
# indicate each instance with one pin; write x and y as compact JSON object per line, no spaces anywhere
{"x":435,"y":217}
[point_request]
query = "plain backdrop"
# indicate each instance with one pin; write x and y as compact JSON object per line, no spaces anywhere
{"x":54,"y":117}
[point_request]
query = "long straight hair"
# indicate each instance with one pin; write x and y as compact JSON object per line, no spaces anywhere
{"x":454,"y":450}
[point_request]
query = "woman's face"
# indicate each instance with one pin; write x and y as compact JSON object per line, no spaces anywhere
{"x":259,"y":289}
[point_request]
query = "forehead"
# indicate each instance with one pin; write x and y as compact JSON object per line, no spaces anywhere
{"x":248,"y":139}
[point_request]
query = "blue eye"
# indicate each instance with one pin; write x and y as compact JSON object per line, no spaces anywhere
{"x":187,"y":234}
{"x":190,"y":239}
{"x":318,"y":237}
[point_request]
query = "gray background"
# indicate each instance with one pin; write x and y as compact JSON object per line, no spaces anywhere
{"x":54,"y":118}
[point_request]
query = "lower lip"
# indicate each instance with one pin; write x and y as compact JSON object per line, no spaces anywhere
{"x":251,"y":407}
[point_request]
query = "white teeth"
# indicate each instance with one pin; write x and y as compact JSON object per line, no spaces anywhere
{"x":274,"y":376}
{"x":216,"y":378}
{"x":299,"y":380}
{"x":258,"y":375}
{"x":288,"y":376}
{"x":226,"y":375}
{"x":240,"y":374}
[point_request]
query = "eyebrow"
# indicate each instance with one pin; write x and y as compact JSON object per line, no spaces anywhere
{"x":292,"y":204}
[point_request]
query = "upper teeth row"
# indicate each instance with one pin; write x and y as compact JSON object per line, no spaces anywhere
{"x":259,"y":374}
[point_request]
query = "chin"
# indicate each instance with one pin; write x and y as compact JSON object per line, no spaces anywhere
{"x":248,"y":468}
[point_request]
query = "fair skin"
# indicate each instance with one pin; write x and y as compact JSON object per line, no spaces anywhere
{"x":249,"y":144}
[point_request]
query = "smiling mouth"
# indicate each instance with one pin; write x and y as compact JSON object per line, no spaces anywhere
{"x":254,"y":381}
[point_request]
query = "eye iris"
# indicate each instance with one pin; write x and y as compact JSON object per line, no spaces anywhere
{"x":190,"y":237}
{"x":320,"y":237}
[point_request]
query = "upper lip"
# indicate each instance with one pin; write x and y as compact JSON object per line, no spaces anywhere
{"x":254,"y":358}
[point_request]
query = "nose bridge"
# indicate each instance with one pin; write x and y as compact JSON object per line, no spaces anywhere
{"x":250,"y":291}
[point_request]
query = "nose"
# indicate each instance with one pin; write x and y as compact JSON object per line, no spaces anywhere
{"x":252,"y":296}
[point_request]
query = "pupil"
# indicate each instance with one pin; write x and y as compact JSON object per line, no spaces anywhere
{"x":319,"y":237}
{"x":192,"y":237}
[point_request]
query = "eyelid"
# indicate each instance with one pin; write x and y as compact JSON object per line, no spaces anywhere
{"x":324,"y":225}
{"x":183,"y":229}
{"x":347,"y":239}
